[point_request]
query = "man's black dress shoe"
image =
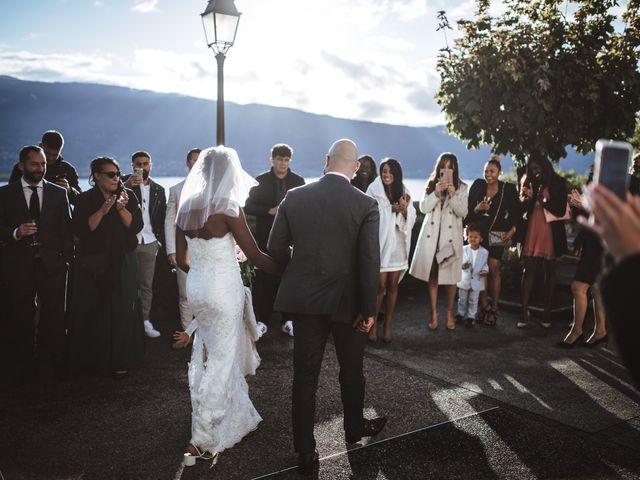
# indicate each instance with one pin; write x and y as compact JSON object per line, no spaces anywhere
{"x":370,"y":428}
{"x":307,"y":462}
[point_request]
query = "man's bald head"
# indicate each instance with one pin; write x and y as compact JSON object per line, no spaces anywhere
{"x":342,"y":157}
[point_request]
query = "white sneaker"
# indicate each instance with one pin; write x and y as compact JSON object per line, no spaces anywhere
{"x":261,"y":329}
{"x":149,"y":331}
{"x":287,"y":328}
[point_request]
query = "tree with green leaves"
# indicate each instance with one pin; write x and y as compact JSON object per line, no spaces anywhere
{"x":536,"y":78}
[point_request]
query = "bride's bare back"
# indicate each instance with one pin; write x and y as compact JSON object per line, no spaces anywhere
{"x":218,"y":226}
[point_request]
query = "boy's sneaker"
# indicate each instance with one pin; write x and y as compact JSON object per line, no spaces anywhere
{"x":149,"y":331}
{"x":287,"y":327}
{"x":469,"y":323}
{"x":459,"y":319}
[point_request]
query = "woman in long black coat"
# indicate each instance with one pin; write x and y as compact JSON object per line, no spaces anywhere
{"x":106,"y":332}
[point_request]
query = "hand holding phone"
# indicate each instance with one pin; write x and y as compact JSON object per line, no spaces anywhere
{"x":611,"y":167}
{"x":137,"y":176}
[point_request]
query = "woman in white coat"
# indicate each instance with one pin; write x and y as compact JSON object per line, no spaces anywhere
{"x":397,"y":217}
{"x":438,"y":255}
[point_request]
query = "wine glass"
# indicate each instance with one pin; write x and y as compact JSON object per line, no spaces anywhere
{"x":487,"y":200}
{"x":34,"y":237}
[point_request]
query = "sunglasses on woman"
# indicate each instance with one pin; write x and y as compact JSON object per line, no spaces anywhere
{"x":111,"y":174}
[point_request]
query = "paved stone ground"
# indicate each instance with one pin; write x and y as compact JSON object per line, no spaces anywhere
{"x":472,"y":403}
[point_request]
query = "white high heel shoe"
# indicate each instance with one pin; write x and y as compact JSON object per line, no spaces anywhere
{"x":190,"y":458}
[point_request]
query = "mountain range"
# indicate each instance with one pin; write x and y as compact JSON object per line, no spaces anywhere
{"x":116,"y":121}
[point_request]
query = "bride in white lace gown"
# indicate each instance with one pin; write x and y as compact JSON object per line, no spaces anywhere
{"x":210,"y":220}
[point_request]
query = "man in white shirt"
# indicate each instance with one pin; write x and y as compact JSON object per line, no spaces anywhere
{"x":170,"y":236}
{"x":152,"y":200}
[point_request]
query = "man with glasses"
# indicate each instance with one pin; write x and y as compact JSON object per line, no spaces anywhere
{"x":35,"y":227}
{"x":59,"y":171}
{"x":153,"y":202}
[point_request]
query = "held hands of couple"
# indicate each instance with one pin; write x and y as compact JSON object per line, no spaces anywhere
{"x":363,"y":325}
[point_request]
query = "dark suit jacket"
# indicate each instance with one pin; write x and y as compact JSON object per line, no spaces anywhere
{"x":54,"y":229}
{"x":264,"y":197}
{"x":619,"y":289}
{"x":334,"y":266}
{"x":157,"y":208}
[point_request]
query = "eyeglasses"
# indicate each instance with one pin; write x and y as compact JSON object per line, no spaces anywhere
{"x":111,"y":174}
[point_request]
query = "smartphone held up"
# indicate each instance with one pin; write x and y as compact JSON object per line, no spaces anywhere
{"x":611,"y":167}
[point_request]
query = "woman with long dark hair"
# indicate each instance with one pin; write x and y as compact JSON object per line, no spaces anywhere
{"x":106,"y":334}
{"x":494,"y":207}
{"x":438,"y":254}
{"x":544,"y":196}
{"x":397,"y":216}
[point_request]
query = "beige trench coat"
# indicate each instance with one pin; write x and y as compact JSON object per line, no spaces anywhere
{"x":446,"y":219}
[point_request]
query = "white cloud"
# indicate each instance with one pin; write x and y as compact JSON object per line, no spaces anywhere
{"x":410,"y":10}
{"x":464,"y":10}
{"x":145,"y":6}
{"x":31,"y":36}
{"x":49,"y":67}
{"x":98,"y":4}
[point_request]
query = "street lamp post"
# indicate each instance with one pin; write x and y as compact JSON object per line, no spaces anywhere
{"x":220,"y":20}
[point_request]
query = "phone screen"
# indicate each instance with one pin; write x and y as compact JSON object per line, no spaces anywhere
{"x":446,"y":176}
{"x":614,"y":168}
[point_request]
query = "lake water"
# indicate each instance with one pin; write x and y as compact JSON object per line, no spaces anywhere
{"x":415,"y":185}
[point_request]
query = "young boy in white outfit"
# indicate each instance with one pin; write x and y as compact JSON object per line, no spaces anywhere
{"x":474,"y":269}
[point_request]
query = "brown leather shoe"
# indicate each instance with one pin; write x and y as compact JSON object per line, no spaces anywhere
{"x":370,"y":428}
{"x":307,"y":462}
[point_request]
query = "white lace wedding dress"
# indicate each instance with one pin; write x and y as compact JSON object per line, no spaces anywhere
{"x":223,"y":348}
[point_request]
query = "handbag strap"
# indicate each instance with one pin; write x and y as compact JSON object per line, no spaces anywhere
{"x":498,"y":210}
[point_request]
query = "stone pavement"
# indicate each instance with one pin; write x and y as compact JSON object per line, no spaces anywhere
{"x":471,"y":403}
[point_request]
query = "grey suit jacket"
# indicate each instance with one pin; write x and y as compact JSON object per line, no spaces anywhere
{"x":327,"y":231}
{"x":170,"y":217}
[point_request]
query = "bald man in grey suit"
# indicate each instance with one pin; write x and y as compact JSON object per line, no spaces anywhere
{"x":327,"y":233}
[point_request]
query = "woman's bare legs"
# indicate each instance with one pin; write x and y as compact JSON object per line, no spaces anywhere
{"x":433,"y":296}
{"x":549,"y":290}
{"x":451,"y":300}
{"x":393,"y":279}
{"x":580,"y":292}
{"x":373,"y":333}
{"x":528,"y":277}
{"x":600,"y":329}
{"x":495,"y":283}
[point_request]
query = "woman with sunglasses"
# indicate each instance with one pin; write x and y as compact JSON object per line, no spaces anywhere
{"x":106,"y":335}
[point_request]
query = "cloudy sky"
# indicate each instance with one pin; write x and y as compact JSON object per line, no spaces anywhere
{"x":359,"y":59}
